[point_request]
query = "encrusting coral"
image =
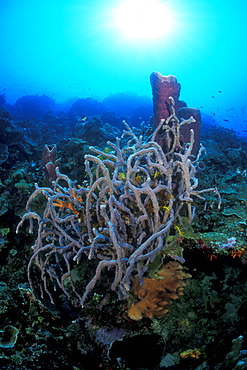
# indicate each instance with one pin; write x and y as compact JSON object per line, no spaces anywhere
{"x":156,"y":294}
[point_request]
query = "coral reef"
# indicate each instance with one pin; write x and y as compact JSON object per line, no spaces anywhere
{"x":86,"y":107}
{"x":155,"y":294}
{"x":206,"y":328}
{"x":85,"y":129}
{"x":136,"y":197}
{"x":31,"y":106}
{"x":4,"y":153}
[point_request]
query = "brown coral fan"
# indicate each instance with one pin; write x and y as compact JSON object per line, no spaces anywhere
{"x":156,"y":294}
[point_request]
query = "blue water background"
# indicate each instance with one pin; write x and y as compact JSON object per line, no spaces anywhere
{"x":70,"y":49}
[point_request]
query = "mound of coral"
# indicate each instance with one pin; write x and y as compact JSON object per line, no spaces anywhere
{"x":156,"y":294}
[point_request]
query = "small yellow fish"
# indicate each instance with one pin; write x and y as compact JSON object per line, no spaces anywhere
{"x":109,"y":150}
{"x":122,"y":175}
{"x":180,"y":232}
{"x":138,"y":179}
{"x":156,"y":174}
{"x":165,"y":208}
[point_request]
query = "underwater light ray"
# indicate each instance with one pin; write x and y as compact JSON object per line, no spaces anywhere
{"x":112,"y":44}
{"x":143,"y":19}
{"x":151,"y":27}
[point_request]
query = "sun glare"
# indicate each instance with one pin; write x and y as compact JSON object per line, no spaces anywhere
{"x":143,"y":19}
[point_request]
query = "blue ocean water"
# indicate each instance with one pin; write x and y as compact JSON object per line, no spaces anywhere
{"x":77,"y":49}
